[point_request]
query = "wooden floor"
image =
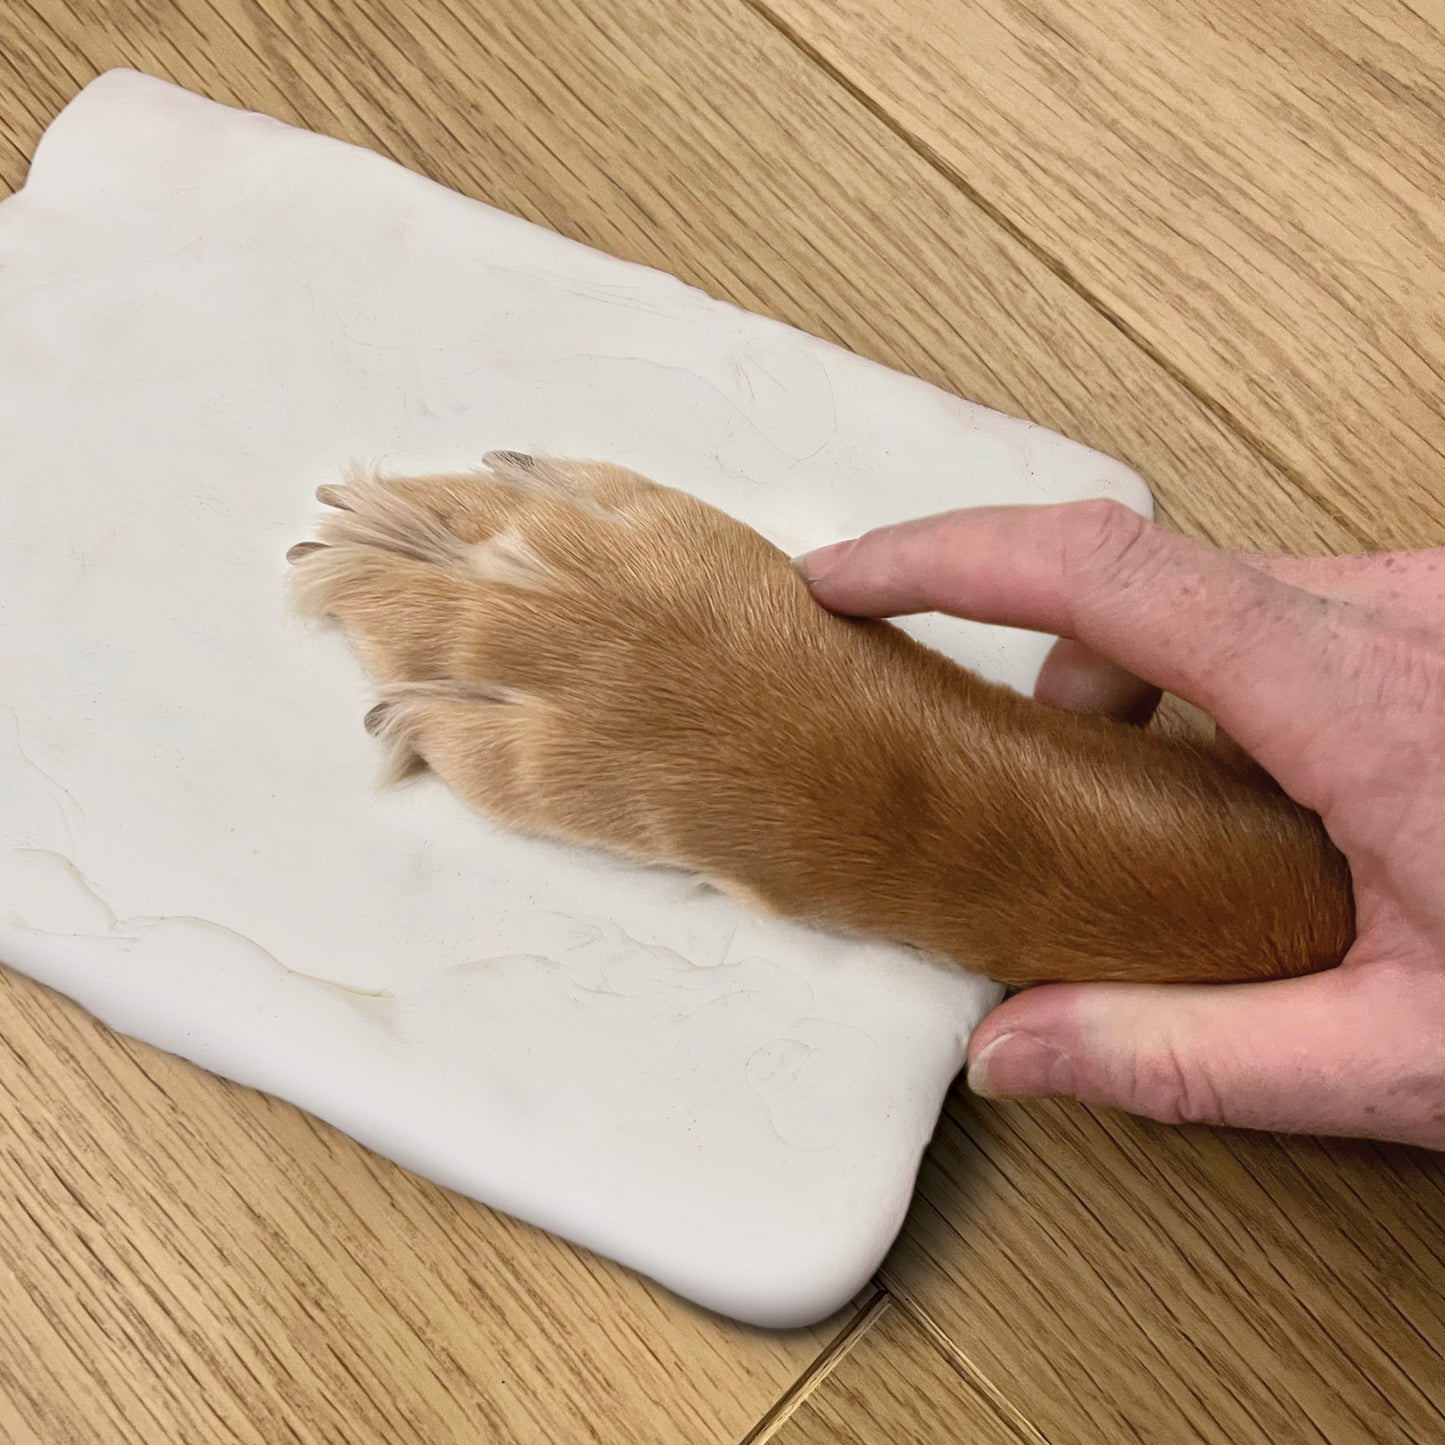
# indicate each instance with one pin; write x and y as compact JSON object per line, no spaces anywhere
{"x":1204,"y":235}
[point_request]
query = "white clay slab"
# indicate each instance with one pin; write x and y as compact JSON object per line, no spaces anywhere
{"x":203,"y":315}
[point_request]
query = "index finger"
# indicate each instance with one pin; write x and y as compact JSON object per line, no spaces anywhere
{"x":1235,"y":641}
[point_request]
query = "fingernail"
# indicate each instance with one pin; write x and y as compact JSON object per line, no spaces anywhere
{"x":815,"y":565}
{"x":1021,"y":1066}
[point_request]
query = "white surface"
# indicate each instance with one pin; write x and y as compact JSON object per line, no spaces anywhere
{"x":204,"y":314}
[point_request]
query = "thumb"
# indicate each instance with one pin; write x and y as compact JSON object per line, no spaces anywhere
{"x":1354,"y":1051}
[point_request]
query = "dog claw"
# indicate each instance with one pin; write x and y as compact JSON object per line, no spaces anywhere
{"x":303,"y":549}
{"x":520,"y":460}
{"x":331,"y":496}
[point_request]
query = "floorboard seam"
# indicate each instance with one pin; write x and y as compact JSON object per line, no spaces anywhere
{"x":950,"y":173}
{"x":822,"y":1366}
{"x":967,"y":1371}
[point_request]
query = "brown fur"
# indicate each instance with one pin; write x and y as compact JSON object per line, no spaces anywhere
{"x":585,"y":655}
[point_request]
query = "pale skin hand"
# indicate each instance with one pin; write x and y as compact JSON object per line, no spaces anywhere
{"x":1330,"y":672}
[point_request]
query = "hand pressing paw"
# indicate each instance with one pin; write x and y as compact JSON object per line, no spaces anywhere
{"x":589,"y":656}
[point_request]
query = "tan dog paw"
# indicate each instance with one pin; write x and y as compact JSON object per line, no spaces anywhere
{"x":562,"y":642}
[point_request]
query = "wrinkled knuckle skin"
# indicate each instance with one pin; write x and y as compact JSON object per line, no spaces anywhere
{"x":1103,"y":541}
{"x":1167,"y":1088}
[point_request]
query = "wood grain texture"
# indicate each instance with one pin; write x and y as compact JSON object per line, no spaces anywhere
{"x":184,"y":1260}
{"x":1252,"y":191}
{"x":898,"y":1385}
{"x":695,"y":138}
{"x":1119,"y":1281}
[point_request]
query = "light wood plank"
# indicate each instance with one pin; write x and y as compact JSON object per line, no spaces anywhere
{"x":896,"y":1385}
{"x":1120,"y":1281}
{"x":1254,"y":191}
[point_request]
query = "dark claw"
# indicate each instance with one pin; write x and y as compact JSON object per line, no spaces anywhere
{"x":303,"y":549}
{"x":374,"y":719}
{"x":521,"y":460}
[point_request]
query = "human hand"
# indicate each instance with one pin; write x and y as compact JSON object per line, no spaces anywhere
{"x":1330,"y":673}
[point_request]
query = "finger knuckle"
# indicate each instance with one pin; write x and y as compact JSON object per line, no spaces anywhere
{"x":1105,"y":543}
{"x":1167,"y":1086}
{"x":1385,"y":737}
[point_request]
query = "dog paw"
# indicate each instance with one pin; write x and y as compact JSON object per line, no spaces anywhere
{"x":571,"y":647}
